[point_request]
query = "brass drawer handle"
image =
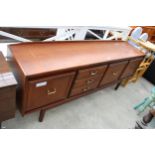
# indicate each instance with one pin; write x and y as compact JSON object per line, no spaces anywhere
{"x":85,"y":89}
{"x":114,"y":73}
{"x":90,"y":81}
{"x":51,"y":92}
{"x":93,"y":73}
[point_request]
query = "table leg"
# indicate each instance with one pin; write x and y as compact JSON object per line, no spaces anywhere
{"x":117,"y":86}
{"x":0,"y":125}
{"x":41,"y":115}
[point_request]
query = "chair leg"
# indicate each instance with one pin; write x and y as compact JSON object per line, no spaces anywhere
{"x":148,"y":118}
{"x":41,"y":115}
{"x":125,"y":82}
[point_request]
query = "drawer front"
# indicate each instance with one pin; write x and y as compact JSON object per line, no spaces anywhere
{"x":131,"y":67}
{"x":91,"y":72}
{"x":113,"y":72}
{"x":48,"y":90}
{"x":88,"y":81}
{"x":83,"y":89}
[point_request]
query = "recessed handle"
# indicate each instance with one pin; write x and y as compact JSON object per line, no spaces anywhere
{"x":85,"y":89}
{"x":51,"y":92}
{"x":93,"y":72}
{"x":90,"y":81}
{"x":114,"y":73}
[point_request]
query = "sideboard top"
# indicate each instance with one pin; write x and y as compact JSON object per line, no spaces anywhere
{"x":42,"y":57}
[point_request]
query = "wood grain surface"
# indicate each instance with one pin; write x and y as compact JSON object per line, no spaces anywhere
{"x":41,"y":57}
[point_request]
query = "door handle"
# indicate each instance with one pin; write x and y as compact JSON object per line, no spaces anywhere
{"x":51,"y":92}
{"x":93,"y":73}
{"x":90,"y":81}
{"x":85,"y":89}
{"x":114,"y":73}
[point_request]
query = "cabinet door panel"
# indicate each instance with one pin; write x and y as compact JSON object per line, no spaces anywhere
{"x":113,"y":72}
{"x":47,"y":90}
{"x":131,"y":67}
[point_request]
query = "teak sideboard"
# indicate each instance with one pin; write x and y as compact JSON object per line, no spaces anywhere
{"x":53,"y":73}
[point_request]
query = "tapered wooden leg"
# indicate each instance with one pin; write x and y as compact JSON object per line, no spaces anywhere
{"x":41,"y":116}
{"x":117,"y":86}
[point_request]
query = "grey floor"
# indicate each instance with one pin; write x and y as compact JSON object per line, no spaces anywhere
{"x":105,"y":109}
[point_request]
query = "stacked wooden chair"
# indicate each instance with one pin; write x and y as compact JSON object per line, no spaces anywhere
{"x":139,"y":41}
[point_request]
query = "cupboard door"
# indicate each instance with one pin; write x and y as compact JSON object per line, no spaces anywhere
{"x":47,"y":90}
{"x":113,"y":72}
{"x":131,"y":67}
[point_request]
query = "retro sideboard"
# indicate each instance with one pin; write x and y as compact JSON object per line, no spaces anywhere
{"x":53,"y":73}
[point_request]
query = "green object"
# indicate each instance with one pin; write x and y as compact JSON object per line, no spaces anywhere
{"x":147,"y":102}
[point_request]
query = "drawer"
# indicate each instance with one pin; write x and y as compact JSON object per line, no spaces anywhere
{"x":47,"y":90}
{"x":113,"y":72}
{"x":87,"y":81}
{"x":91,"y":72}
{"x":83,"y":89}
{"x":131,"y":67}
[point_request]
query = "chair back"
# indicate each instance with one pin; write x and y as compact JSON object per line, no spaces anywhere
{"x":136,"y":33}
{"x":144,"y":37}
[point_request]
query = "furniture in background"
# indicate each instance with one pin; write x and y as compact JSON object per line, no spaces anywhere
{"x":59,"y":33}
{"x":52,"y":73}
{"x":150,"y":30}
{"x":147,"y":102}
{"x":150,"y":73}
{"x":136,"y":33}
{"x":30,"y":33}
{"x":7,"y":91}
{"x":146,"y":120}
{"x":139,"y":41}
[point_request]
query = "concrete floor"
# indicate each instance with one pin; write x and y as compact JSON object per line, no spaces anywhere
{"x":102,"y":110}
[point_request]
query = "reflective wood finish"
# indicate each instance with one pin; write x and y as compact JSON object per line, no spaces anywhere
{"x":113,"y":72}
{"x":44,"y":57}
{"x":53,"y":73}
{"x":48,"y":90}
